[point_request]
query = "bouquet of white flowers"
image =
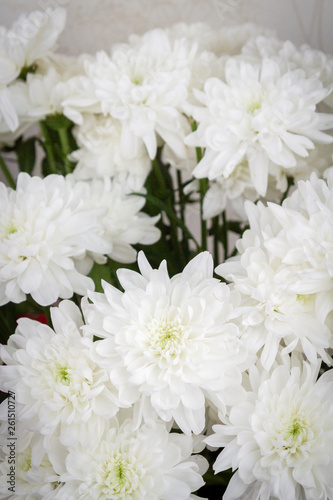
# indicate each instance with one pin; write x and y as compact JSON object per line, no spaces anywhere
{"x":174,"y":207}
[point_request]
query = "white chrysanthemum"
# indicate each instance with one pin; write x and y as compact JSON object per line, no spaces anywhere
{"x":276,"y":311}
{"x":44,"y":94}
{"x":101,"y":154}
{"x":130,"y":464}
{"x":23,"y":107}
{"x":232,"y":190}
{"x":281,"y":438}
{"x":305,"y":239}
{"x":168,"y":341}
{"x":227,"y":40}
{"x":57,"y":385}
{"x":32,"y":473}
{"x":312,"y":62}
{"x":261,"y":114}
{"x":44,"y":230}
{"x":47,"y":87}
{"x":123,"y":223}
{"x":31,"y":38}
{"x":144,"y":86}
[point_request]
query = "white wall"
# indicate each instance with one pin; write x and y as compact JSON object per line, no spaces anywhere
{"x":95,"y":24}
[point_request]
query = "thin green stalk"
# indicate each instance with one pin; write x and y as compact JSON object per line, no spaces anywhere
{"x":173,"y":226}
{"x":65,"y":148}
{"x":203,"y":183}
{"x":159,"y":176}
{"x":204,"y":233}
{"x":6,"y":173}
{"x":215,"y":224}
{"x":48,"y":148}
{"x":182,"y":204}
{"x":224,"y":236}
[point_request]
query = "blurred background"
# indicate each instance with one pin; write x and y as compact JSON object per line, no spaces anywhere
{"x":97,"y":24}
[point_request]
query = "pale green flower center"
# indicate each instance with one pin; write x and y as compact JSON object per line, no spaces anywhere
{"x":295,"y":433}
{"x":303,"y":299}
{"x":62,"y":375}
{"x":253,"y":107}
{"x":165,"y":337}
{"x":26,"y":465}
{"x":9,"y":229}
{"x":137,"y":80}
{"x":119,"y":477}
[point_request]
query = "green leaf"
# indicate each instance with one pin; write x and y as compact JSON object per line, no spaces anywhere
{"x":26,"y":154}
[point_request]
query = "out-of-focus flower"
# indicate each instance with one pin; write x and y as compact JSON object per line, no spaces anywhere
{"x":31,"y":38}
{"x":100,"y":153}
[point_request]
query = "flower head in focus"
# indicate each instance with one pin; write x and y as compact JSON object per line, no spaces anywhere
{"x":143,"y":85}
{"x":283,"y":275}
{"x":132,"y":464}
{"x":59,"y":389}
{"x":260,"y":113}
{"x":167,"y":342}
{"x":44,"y":232}
{"x":280,"y":438}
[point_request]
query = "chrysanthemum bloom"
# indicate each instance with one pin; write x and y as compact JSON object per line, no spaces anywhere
{"x":259,"y":113}
{"x":144,"y":85}
{"x":281,"y":438}
{"x":132,"y":464}
{"x":123,"y":223}
{"x":229,"y":191}
{"x":312,"y":62}
{"x":45,"y":231}
{"x":278,"y":309}
{"x":31,"y":38}
{"x":100,"y":152}
{"x":167,"y":342}
{"x":305,"y":239}
{"x":27,"y":470}
{"x":227,"y":40}
{"x":58,"y":387}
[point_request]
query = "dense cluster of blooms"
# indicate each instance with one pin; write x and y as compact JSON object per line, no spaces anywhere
{"x":172,"y":355}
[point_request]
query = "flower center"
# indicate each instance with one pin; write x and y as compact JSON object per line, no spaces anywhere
{"x":118,"y":477}
{"x":165,"y":337}
{"x":294,"y":434}
{"x":253,"y":107}
{"x":62,"y":375}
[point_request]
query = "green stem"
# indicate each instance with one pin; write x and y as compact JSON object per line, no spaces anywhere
{"x":65,"y":149}
{"x":48,"y":148}
{"x":174,"y":230}
{"x":204,"y":232}
{"x":159,"y":176}
{"x":182,"y":204}
{"x":203,"y":183}
{"x":224,"y":235}
{"x":6,"y":173}
{"x":216,"y":239}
